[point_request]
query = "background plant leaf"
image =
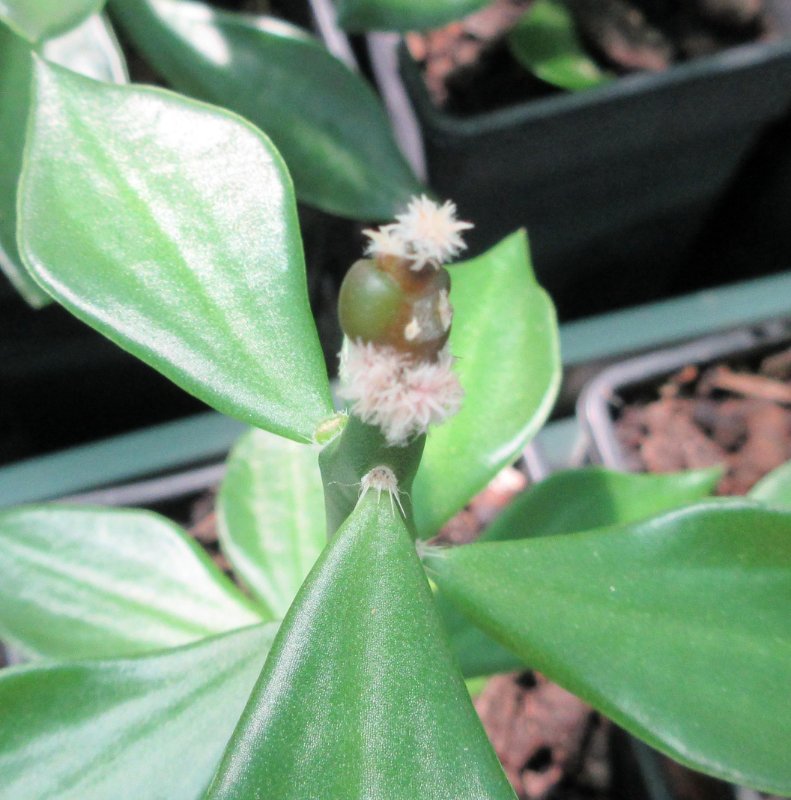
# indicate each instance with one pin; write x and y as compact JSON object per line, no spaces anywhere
{"x":476,"y":653}
{"x":326,"y":121}
{"x":89,"y":49}
{"x":171,"y":227}
{"x":83,"y":582}
{"x":506,"y":340}
{"x":568,"y":502}
{"x":583,"y":499}
{"x":360,"y":691}
{"x":41,"y":19}
{"x":775,"y":488}
{"x":545,"y":42}
{"x":402,"y":15}
{"x":677,"y":627}
{"x":270,"y":514}
{"x":146,"y":727}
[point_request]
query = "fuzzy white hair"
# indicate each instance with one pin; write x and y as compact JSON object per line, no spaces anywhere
{"x":397,"y":393}
{"x":426,"y":234}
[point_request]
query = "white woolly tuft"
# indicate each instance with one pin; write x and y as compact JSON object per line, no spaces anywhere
{"x":385,"y":241}
{"x":400,"y":395}
{"x":426,"y":233}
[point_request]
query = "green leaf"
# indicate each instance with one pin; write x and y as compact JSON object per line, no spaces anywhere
{"x":326,"y":121}
{"x":360,"y":696}
{"x":402,"y":15}
{"x":583,"y":499}
{"x":775,"y":488}
{"x":154,"y":726}
{"x":568,"y":502}
{"x":545,"y":42}
{"x":476,"y":653}
{"x":41,"y":19}
{"x":15,"y":76}
{"x":90,"y":49}
{"x":506,"y":340}
{"x":171,"y":227}
{"x":270,"y":514}
{"x":83,"y":582}
{"x":677,"y":627}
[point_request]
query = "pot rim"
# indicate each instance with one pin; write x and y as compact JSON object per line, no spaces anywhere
{"x":600,"y":397}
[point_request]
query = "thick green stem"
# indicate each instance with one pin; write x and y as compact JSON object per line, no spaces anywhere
{"x":350,"y":456}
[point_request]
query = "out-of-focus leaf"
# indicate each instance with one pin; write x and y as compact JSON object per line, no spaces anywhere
{"x":582,"y":499}
{"x":402,"y":15}
{"x":171,"y":227}
{"x":15,"y":76}
{"x":476,"y":653}
{"x":83,"y":582}
{"x":270,"y":513}
{"x":41,"y":19}
{"x":506,"y":340}
{"x":775,"y":488}
{"x":545,"y":42}
{"x":676,"y":627}
{"x":153,"y":726}
{"x":360,"y":696}
{"x":326,"y":121}
{"x":90,"y":49}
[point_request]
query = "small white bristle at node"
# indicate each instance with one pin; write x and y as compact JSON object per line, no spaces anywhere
{"x":402,"y":396}
{"x":426,"y":234}
{"x":382,"y":479}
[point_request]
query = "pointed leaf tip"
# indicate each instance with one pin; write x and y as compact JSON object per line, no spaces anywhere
{"x":200,"y":272}
{"x":360,"y":688}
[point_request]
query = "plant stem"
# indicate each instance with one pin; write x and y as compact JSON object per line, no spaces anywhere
{"x":354,"y":453}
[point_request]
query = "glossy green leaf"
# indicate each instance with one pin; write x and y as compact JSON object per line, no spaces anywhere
{"x":153,"y":726}
{"x":402,"y":15}
{"x":41,"y":19}
{"x":569,"y":502}
{"x":270,"y":514}
{"x":326,"y":121}
{"x":506,"y":340}
{"x":677,"y":627}
{"x":15,"y":76}
{"x":545,"y":42}
{"x":90,"y":49}
{"x":83,"y":582}
{"x":200,"y":272}
{"x":476,"y":653}
{"x":360,"y":696}
{"x":582,"y":499}
{"x":775,"y":488}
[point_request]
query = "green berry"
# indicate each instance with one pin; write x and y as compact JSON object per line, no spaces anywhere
{"x":385,"y":302}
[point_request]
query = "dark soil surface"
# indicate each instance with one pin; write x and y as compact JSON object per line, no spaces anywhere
{"x":468,"y":68}
{"x":736,"y":414}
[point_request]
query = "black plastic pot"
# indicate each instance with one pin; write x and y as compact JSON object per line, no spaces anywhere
{"x":605,"y":179}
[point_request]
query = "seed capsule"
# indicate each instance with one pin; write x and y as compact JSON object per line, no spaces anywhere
{"x":385,"y":302}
